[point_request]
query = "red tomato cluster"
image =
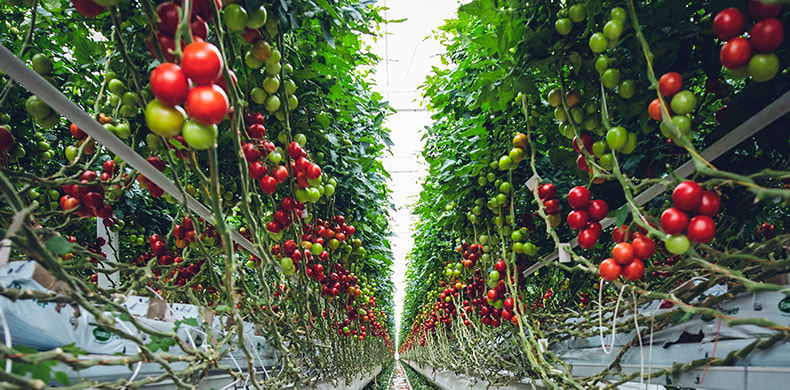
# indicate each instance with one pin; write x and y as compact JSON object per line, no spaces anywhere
{"x":471,"y":254}
{"x":767,"y":230}
{"x":301,"y":167}
{"x":89,"y":194}
{"x":692,"y":212}
{"x":152,"y":188}
{"x":753,"y":55}
{"x":168,"y":15}
{"x":180,"y":273}
{"x":206,"y":102}
{"x":586,"y":216}
{"x":184,"y":232}
{"x":548,"y":195}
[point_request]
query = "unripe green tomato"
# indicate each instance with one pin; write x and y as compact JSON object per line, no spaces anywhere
{"x":613,"y":29}
{"x":258,"y":95}
{"x":42,"y":64}
{"x":482,"y":181}
{"x":577,"y":114}
{"x":257,"y":18}
{"x":630,"y":143}
{"x":530,"y":249}
{"x":616,"y":137}
{"x":591,"y":123}
{"x":293,"y":102}
{"x":627,"y":89}
{"x":505,"y":187}
{"x":763,"y":67}
{"x":235,"y":17}
{"x":599,"y":148}
{"x":683,"y":123}
{"x":272,"y":103}
{"x":560,"y":114}
{"x":563,"y":26}
{"x":128,"y":111}
{"x":518,"y":247}
{"x":116,"y":87}
{"x":607,"y":161}
{"x":123,"y":130}
{"x":610,"y":78}
{"x":129,"y":98}
{"x":273,"y":68}
{"x":50,"y":121}
{"x":598,"y":43}
{"x":577,"y":13}
{"x":683,"y":102}
{"x":677,"y":244}
{"x":505,"y":163}
{"x":618,"y":13}
{"x":115,"y":100}
{"x":252,"y":62}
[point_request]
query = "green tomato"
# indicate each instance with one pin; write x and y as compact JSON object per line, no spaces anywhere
{"x":627,"y":89}
{"x":274,"y":57}
{"x":252,"y":62}
{"x":613,"y":29}
{"x":493,"y":276}
{"x":563,"y":26}
{"x":616,"y":137}
{"x":129,"y":98}
{"x":271,"y":84}
{"x":116,"y":87}
{"x":275,"y":157}
{"x":235,"y":17}
{"x":601,"y":63}
{"x":273,"y":68}
{"x":530,"y":249}
{"x":164,"y":120}
{"x":128,"y":111}
{"x":610,"y":78}
{"x":300,"y":139}
{"x":329,"y":189}
{"x":198,"y":135}
{"x":505,"y":163}
{"x":290,"y":87}
{"x":577,"y":113}
{"x":516,"y":236}
{"x":518,"y":247}
{"x":49,"y":121}
{"x":630,"y":144}
{"x":607,"y":161}
{"x":272,"y":103}
{"x":36,"y":107}
{"x":677,"y":244}
{"x":505,"y":187}
{"x":683,"y":123}
{"x":123,"y":130}
{"x":763,"y":67}
{"x":598,"y":43}
{"x":258,"y":95}
{"x":683,"y":102}
{"x":618,"y":13}
{"x":257,"y":18}
{"x":577,"y":13}
{"x":42,"y":64}
{"x":560,"y":114}
{"x":599,"y":148}
{"x":293,"y":102}
{"x":591,"y":123}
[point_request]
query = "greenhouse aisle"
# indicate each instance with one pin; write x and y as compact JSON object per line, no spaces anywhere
{"x":400,"y":382}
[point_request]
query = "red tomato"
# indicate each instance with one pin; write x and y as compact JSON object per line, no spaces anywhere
{"x":169,"y":84}
{"x":68,"y":202}
{"x":687,"y":196}
{"x":281,"y":173}
{"x":268,"y":185}
{"x":634,"y":271}
{"x":758,"y":10}
{"x":587,"y":238}
{"x":609,"y":270}
{"x":313,"y":171}
{"x":587,"y":141}
{"x":623,"y":253}
{"x":581,"y":162}
{"x":168,"y":17}
{"x":598,"y":210}
{"x":766,"y":35}
{"x":729,"y":23}
{"x":673,"y":221}
{"x":669,"y":84}
{"x":701,"y":229}
{"x":579,"y":198}
{"x":621,"y":234}
{"x":257,"y":170}
{"x":709,"y":205}
{"x":207,"y":104}
{"x":88,"y":8}
{"x":201,"y":62}
{"x":552,"y":205}
{"x":736,"y":53}
{"x":166,"y":43}
{"x":198,"y":27}
{"x":655,"y":110}
{"x":577,"y":219}
{"x":77,"y":132}
{"x":500,"y":266}
{"x":644,"y":247}
{"x":547,"y":191}
{"x":595,"y":227}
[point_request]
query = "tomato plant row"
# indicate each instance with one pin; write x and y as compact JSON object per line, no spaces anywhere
{"x":575,"y":109}
{"x":246,"y":106}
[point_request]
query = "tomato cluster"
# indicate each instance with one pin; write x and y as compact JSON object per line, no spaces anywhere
{"x":90,"y":195}
{"x":168,"y":14}
{"x":586,"y":216}
{"x":206,"y":102}
{"x":682,"y":102}
{"x":753,"y":56}
{"x":689,"y":199}
{"x":548,"y":196}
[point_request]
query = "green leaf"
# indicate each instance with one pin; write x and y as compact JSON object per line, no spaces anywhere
{"x":62,"y":377}
{"x":60,"y":245}
{"x":622,"y":214}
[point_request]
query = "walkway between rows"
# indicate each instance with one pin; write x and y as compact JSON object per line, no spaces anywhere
{"x":400,"y":382}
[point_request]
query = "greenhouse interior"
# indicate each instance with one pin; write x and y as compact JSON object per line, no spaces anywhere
{"x":394,"y":194}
